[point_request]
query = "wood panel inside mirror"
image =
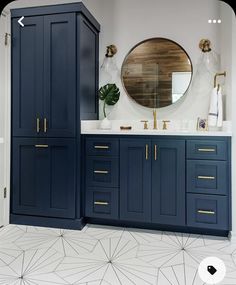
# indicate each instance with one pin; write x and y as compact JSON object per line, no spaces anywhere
{"x":156,"y":73}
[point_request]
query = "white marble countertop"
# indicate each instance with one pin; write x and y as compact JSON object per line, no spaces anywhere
{"x":92,"y":127}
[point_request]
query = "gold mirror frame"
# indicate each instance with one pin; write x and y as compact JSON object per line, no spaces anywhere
{"x":147,"y":76}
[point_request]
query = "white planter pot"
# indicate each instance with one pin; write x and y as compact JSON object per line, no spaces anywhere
{"x":105,"y":124}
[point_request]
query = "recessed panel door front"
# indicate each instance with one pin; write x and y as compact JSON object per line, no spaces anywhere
{"x":27,"y":76}
{"x":135,"y":180}
{"x":29,"y":176}
{"x":59,"y":199}
{"x":59,"y":75}
{"x":168,"y":182}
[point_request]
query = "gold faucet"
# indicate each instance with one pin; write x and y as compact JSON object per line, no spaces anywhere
{"x":145,"y":126}
{"x":165,"y":124}
{"x":155,"y":119}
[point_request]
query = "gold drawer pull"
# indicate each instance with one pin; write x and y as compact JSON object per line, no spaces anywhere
{"x":155,"y":152}
{"x":45,"y":125}
{"x":207,"y":149}
{"x":206,"y":177}
{"x":101,"y":203}
{"x":206,"y":212}
{"x":101,"y":147}
{"x":38,"y":125}
{"x":101,"y":171}
{"x":146,"y":154}
{"x":41,"y":145}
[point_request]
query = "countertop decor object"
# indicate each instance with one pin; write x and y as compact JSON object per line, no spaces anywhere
{"x":125,"y":128}
{"x":110,"y":94}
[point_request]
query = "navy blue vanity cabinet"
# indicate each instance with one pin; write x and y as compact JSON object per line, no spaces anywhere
{"x":135,"y":180}
{"x":176,"y":183}
{"x":54,"y":70}
{"x":54,"y":85}
{"x":44,"y":177}
{"x":168,"y":182}
{"x":208,"y":184}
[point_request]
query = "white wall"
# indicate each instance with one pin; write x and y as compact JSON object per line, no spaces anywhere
{"x":127,"y":22}
{"x":228,"y":58}
{"x":226,"y":29}
{"x":234,"y":124}
{"x":184,"y":21}
{"x":228,"y":63}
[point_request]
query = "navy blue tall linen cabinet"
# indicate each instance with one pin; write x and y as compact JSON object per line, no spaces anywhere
{"x":54,"y":86}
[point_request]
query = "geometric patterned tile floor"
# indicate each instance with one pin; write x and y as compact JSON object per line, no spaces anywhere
{"x":103,"y":255}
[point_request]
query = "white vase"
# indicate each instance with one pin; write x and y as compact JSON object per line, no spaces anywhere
{"x":105,"y":124}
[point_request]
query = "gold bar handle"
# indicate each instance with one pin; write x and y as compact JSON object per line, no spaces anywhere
{"x":101,"y":147}
{"x":41,"y":145}
{"x":155,"y":152}
{"x":101,"y":171}
{"x":206,"y":149}
{"x":206,"y":212}
{"x":206,"y":177}
{"x":38,"y":125}
{"x":146,"y":153}
{"x":45,"y":125}
{"x":101,"y":203}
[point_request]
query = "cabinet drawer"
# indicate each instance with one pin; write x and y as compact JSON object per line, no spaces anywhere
{"x":198,"y":149}
{"x":102,"y":203}
{"x":207,"y":177}
{"x":102,"y":171}
{"x":207,"y":211}
{"x":102,"y":146}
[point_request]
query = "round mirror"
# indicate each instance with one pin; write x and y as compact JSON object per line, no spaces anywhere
{"x":156,"y":73}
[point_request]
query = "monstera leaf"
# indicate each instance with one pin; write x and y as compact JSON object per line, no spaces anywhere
{"x":110,"y":94}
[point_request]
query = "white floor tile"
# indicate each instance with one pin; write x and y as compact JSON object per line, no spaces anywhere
{"x":103,"y":255}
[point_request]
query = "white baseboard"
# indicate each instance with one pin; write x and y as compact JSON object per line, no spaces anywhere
{"x":232,"y":236}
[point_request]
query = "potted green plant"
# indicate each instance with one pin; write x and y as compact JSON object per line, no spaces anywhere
{"x":110,"y":94}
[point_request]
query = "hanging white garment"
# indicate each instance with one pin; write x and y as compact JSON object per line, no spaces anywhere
{"x":215,"y":114}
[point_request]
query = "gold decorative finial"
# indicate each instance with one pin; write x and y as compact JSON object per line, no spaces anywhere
{"x":111,"y":50}
{"x":205,"y":45}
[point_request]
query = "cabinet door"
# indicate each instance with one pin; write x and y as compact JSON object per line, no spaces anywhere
{"x":59,"y":198}
{"x":27,"y":75}
{"x":28,"y":177}
{"x":135,"y":180}
{"x":168,"y":182}
{"x":59,"y":75}
{"x":43,"y":177}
